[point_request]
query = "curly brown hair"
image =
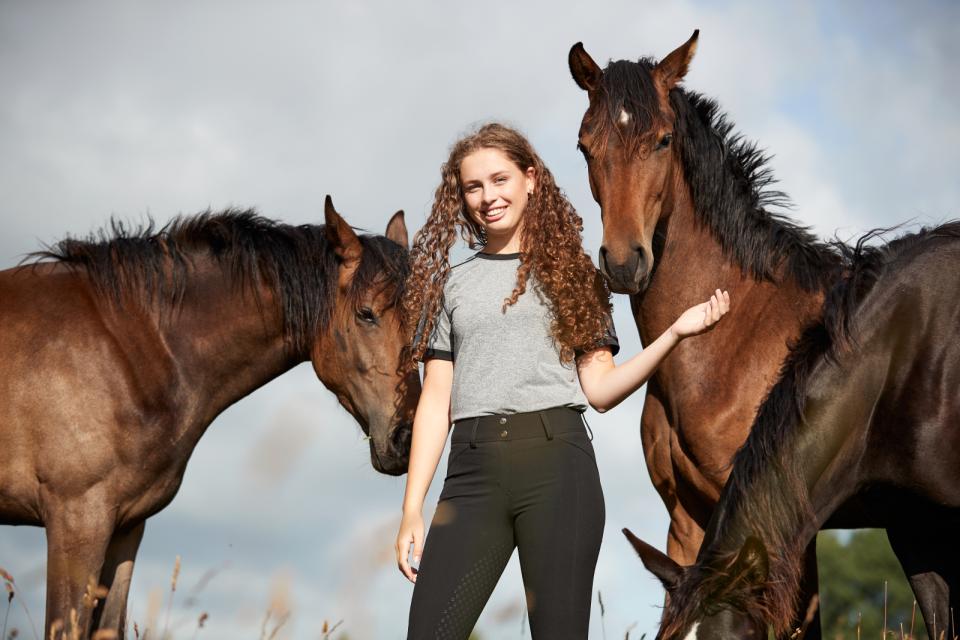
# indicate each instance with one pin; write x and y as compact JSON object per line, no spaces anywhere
{"x":551,"y":250}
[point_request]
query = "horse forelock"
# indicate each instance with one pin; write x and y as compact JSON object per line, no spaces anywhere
{"x":383,"y":271}
{"x":146,"y":267}
{"x":627,"y":106}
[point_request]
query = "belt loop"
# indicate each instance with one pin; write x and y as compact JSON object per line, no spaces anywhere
{"x":473,"y":435}
{"x":583,"y":417}
{"x":546,"y":424}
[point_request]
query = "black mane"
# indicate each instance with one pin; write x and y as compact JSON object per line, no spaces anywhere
{"x":147,"y":266}
{"x":728,"y":176}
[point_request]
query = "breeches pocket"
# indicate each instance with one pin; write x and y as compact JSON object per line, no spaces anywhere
{"x":577,"y":440}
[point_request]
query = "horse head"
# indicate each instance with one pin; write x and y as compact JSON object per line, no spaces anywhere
{"x":626,"y":137}
{"x":358,"y":355}
{"x":709,"y":602}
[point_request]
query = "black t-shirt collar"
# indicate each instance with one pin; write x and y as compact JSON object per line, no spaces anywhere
{"x":498,"y":256}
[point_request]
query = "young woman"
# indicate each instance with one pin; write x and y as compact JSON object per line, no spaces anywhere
{"x":515,"y":342}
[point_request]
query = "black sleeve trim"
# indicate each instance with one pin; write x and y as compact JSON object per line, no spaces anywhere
{"x":611,"y":342}
{"x":608,"y":341}
{"x":439,"y":354}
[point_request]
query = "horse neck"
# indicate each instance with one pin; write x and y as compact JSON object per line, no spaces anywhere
{"x":690,"y":263}
{"x":670,"y":292}
{"x":226,"y":339}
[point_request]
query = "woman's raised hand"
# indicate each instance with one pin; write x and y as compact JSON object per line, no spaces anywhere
{"x":411,"y":531}
{"x":702,"y":317}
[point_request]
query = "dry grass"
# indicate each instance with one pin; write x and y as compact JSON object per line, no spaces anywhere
{"x":10,"y":585}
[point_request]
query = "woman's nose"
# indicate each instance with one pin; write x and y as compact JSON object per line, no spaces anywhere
{"x":489,"y":195}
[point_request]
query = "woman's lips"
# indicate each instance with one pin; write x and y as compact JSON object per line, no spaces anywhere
{"x":492,"y":215}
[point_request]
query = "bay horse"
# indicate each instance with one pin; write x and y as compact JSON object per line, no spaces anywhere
{"x":687,"y":207}
{"x":861,"y":429}
{"x":121,"y":349}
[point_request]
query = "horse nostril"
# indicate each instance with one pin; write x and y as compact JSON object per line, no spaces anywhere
{"x":401,"y":438}
{"x":641,"y":263}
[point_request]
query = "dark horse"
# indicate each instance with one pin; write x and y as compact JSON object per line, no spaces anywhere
{"x":120,"y":352}
{"x":865,"y":416}
{"x":686,"y":208}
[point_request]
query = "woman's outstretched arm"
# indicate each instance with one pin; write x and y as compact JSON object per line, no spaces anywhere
{"x":431,"y":424}
{"x":606,"y":384}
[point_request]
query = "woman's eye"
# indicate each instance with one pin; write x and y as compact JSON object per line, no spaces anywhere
{"x":365,"y":314}
{"x":665,"y":141}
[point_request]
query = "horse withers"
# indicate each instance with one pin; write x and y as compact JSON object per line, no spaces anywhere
{"x":121,"y":349}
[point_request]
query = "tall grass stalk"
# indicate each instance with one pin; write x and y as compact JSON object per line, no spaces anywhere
{"x":913,"y":617}
{"x":603,"y":611}
{"x":11,"y":586}
{"x":884,"y":610}
{"x":6,"y":616}
{"x":173,"y":591}
{"x":327,"y":629}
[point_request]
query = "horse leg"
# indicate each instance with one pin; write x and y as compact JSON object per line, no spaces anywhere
{"x":78,"y":533}
{"x":115,"y":576}
{"x":926,"y":554}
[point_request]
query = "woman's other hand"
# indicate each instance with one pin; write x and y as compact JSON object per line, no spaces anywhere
{"x":702,"y":317}
{"x":411,"y":531}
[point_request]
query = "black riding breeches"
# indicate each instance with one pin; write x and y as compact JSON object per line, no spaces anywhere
{"x":525,"y":480}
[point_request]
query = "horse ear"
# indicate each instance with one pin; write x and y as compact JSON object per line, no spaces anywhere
{"x":397,"y":230}
{"x":656,"y":562}
{"x":344,"y":241}
{"x":752,"y":563}
{"x":671,"y":69}
{"x":586,"y":72}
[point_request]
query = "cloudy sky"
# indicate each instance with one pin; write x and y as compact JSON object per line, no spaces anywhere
{"x":137,"y":108}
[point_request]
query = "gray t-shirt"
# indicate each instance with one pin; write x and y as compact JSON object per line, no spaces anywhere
{"x":502,"y":362}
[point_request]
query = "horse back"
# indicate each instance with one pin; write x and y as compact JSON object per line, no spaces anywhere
{"x":910,"y":325}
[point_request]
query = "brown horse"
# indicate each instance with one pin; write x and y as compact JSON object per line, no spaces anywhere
{"x":686,"y":208}
{"x":862,"y":429}
{"x":120,"y":352}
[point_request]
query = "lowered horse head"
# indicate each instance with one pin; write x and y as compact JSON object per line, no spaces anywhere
{"x":718,"y":603}
{"x":357,"y":355}
{"x":627,"y":138}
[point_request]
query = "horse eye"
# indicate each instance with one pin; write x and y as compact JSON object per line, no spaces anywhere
{"x":583,"y":150}
{"x":366,"y":314}
{"x":665,"y":141}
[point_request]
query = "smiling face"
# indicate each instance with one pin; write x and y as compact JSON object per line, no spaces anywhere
{"x":495,"y":192}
